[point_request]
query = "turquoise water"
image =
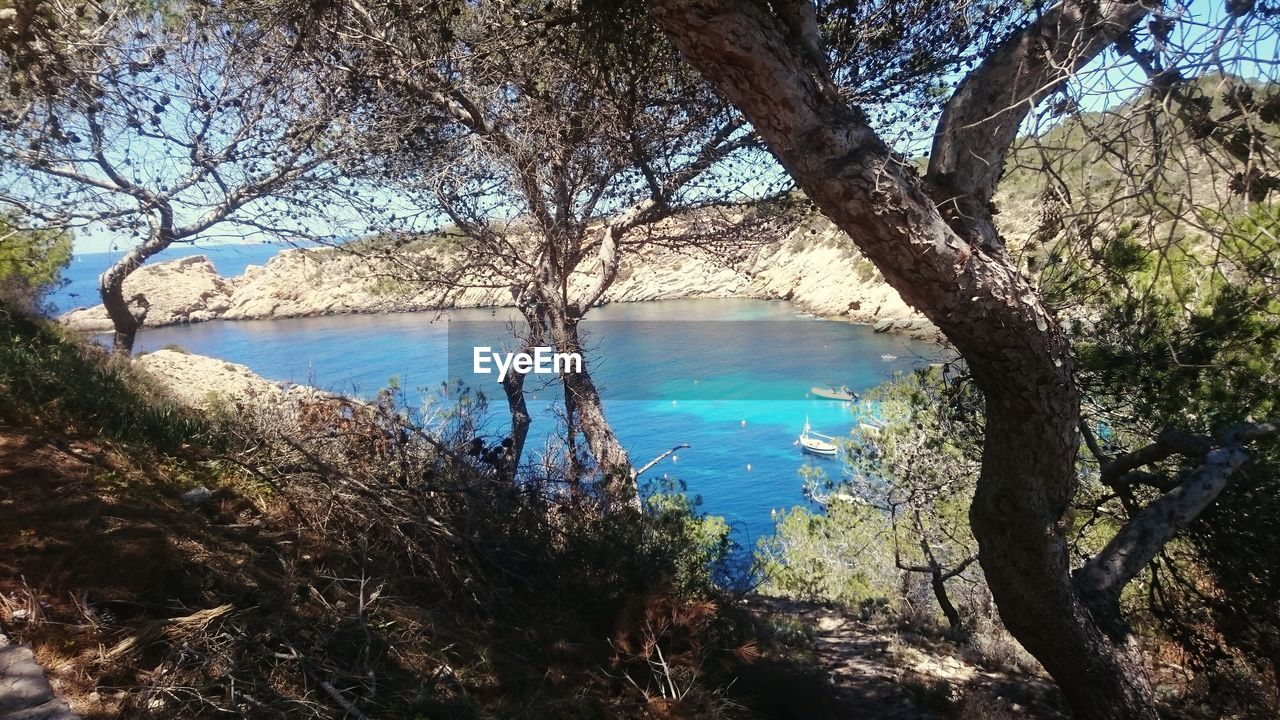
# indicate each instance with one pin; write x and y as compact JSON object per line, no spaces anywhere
{"x":729,"y":377}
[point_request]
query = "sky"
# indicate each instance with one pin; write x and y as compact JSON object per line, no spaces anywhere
{"x":1105,"y":83}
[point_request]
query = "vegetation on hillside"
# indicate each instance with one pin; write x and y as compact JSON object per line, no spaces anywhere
{"x":1118,"y":337}
{"x":31,"y":262}
{"x":347,"y":560}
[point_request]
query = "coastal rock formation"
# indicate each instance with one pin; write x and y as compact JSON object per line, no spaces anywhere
{"x":179,"y":291}
{"x":820,"y":269}
{"x":207,"y":383}
{"x":204,"y":382}
{"x":816,"y":267}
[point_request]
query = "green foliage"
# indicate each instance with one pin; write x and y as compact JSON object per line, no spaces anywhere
{"x":920,"y":464}
{"x":910,"y":471}
{"x":840,"y":555}
{"x":48,"y":375}
{"x":697,"y":543}
{"x":1188,"y":334}
{"x":31,"y":261}
{"x":1142,"y":231}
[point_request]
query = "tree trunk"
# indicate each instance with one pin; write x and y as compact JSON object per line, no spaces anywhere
{"x":124,"y":318}
{"x":1085,"y":646}
{"x":513,"y":387}
{"x":1017,"y":353}
{"x":573,"y":467}
{"x":939,"y":585}
{"x":612,"y":460}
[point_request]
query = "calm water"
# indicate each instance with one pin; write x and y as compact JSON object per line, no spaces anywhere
{"x":729,"y":377}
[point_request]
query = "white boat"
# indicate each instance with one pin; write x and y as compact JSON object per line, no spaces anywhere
{"x":834,"y":393}
{"x":817,"y":443}
{"x":887,"y":357}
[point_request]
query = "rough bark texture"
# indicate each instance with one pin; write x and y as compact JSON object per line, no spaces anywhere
{"x":1017,"y":352}
{"x":513,"y":387}
{"x":127,"y":314}
{"x":982,"y":117}
{"x":939,"y":585}
{"x":612,"y":461}
{"x":123,"y":319}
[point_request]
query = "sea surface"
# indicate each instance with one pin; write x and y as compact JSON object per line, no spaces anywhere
{"x":731,"y":378}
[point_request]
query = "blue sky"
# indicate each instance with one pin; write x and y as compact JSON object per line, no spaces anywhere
{"x":1105,"y":83}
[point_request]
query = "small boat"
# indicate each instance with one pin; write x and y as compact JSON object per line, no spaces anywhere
{"x":887,"y":357}
{"x":835,"y":393}
{"x":817,"y":443}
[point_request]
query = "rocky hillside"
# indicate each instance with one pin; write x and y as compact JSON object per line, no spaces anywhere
{"x":816,"y":267}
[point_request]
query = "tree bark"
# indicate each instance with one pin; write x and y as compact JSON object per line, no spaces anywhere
{"x":513,"y":387}
{"x":1017,"y":352}
{"x":125,"y":319}
{"x":612,"y":461}
{"x":124,"y":322}
{"x":939,"y":585}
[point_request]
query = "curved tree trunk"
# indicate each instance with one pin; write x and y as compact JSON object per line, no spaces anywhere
{"x":1016,"y":351}
{"x":513,"y":388}
{"x":128,"y":314}
{"x":123,"y":319}
{"x":939,"y":585}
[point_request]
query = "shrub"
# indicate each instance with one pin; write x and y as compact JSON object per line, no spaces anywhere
{"x":31,"y":263}
{"x":47,"y":373}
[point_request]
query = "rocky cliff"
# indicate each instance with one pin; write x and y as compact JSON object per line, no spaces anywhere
{"x":179,"y":291}
{"x":816,"y":267}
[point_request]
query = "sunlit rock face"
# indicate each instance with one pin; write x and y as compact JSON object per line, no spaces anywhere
{"x":816,"y":267}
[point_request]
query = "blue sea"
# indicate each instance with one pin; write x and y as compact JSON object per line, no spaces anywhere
{"x":731,"y":378}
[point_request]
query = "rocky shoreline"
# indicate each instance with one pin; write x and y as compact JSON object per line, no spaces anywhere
{"x":816,"y":267}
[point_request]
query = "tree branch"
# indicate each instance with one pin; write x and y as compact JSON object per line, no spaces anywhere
{"x":984,"y":115}
{"x":1142,"y":538}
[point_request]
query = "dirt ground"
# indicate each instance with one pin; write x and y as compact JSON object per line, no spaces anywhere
{"x":104,"y":572}
{"x":95,"y":555}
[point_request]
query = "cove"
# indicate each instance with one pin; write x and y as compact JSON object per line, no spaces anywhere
{"x":729,"y":377}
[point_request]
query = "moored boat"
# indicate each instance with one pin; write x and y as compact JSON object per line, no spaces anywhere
{"x":817,"y":443}
{"x":835,"y":393}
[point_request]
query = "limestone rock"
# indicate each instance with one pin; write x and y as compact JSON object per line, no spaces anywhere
{"x":204,"y":382}
{"x":817,"y":267}
{"x":180,"y":291}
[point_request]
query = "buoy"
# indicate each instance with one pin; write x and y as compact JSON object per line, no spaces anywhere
{"x":675,"y":458}
{"x":744,"y":423}
{"x":748,"y":467}
{"x":673,"y":402}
